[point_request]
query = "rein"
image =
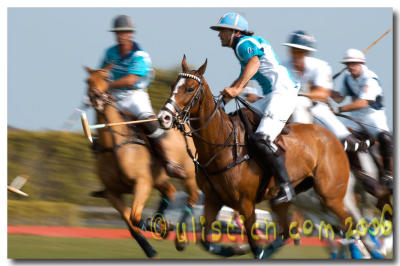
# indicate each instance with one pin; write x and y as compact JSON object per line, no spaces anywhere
{"x":182,"y":117}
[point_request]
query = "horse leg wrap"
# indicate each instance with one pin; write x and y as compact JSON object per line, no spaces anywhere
{"x":186,"y":212}
{"x":273,"y":247}
{"x":218,"y":249}
{"x":145,"y":245}
{"x":164,"y":203}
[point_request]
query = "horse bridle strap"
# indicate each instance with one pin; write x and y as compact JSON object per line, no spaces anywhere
{"x":187,"y":75}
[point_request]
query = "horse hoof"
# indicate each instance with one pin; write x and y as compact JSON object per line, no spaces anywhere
{"x":240,"y":249}
{"x":180,"y":246}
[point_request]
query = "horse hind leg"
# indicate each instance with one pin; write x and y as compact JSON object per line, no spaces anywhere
{"x":117,"y":202}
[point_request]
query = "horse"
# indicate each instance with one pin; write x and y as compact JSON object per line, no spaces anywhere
{"x":125,"y":164}
{"x":228,"y":175}
{"x":367,"y":167}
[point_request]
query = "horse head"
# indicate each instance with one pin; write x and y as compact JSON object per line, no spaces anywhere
{"x":185,"y":96}
{"x":98,"y":85}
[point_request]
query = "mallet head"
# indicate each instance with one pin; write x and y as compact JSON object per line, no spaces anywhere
{"x":86,"y":128}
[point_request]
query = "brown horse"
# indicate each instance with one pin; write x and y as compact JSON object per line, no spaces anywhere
{"x":125,"y":165}
{"x":227,"y":177}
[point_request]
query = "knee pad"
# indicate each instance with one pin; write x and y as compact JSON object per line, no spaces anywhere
{"x":151,"y":129}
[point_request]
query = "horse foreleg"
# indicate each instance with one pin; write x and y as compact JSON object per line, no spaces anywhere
{"x":211,"y":209}
{"x":247,"y":209}
{"x":192,"y":190}
{"x":117,"y":202}
{"x":168,"y":193}
{"x":281,"y":211}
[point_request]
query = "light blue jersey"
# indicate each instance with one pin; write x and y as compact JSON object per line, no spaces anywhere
{"x":137,"y":62}
{"x":270,"y":71}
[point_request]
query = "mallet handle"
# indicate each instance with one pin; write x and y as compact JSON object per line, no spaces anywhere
{"x":123,"y":123}
{"x":366,"y":50}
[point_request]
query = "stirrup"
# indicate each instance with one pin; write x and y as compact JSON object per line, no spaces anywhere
{"x":387,"y":180}
{"x":285,"y":194}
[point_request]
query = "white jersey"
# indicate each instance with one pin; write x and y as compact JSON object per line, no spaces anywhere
{"x":366,"y":87}
{"x":316,"y":73}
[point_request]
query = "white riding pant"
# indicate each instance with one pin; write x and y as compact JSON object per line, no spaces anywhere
{"x":277,"y":108}
{"x":374,"y":121}
{"x":325,"y":117}
{"x":321,"y":114}
{"x":301,"y":113}
{"x":136,"y":101}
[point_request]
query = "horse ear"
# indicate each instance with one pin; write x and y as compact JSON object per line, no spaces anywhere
{"x":88,"y":69}
{"x":202,"y":69}
{"x":184,"y":64}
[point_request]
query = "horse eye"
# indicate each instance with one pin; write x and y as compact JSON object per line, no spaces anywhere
{"x":190,"y":89}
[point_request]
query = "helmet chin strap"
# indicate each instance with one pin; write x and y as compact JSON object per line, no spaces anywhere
{"x":231,"y":39}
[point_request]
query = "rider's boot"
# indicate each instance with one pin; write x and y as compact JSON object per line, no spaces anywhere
{"x":158,"y":147}
{"x":272,"y":156}
{"x":386,"y":150}
{"x":156,"y":137}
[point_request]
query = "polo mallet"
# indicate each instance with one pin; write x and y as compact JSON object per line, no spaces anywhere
{"x":87,"y":127}
{"x":17,"y":184}
{"x":365,"y":51}
{"x":73,"y":117}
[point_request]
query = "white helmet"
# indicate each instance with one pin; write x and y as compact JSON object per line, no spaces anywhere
{"x":353,"y":55}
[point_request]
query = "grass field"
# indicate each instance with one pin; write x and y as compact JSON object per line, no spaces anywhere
{"x":39,"y":247}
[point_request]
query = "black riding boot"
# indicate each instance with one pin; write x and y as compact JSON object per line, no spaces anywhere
{"x":286,"y":193}
{"x":173,"y":170}
{"x":386,"y":150}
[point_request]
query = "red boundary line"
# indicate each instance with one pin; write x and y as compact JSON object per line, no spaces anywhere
{"x":83,"y":232}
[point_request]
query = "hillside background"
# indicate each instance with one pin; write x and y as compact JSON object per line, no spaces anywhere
{"x":60,"y":166}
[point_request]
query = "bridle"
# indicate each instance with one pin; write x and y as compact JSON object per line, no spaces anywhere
{"x":100,"y":99}
{"x":182,"y":116}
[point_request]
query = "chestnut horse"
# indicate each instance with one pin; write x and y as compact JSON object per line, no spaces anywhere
{"x":125,"y":165}
{"x":226,"y":175}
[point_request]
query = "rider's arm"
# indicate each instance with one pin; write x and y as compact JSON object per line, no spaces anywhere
{"x":238,"y":86}
{"x":126,"y":81}
{"x":321,"y":81}
{"x":318,"y":93}
{"x":355,"y":105}
{"x":336,"y":96}
{"x":369,"y":93}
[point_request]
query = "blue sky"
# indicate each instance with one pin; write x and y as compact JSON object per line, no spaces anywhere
{"x":47,"y":48}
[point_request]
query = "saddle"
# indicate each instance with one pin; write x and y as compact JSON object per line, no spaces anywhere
{"x":251,"y":121}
